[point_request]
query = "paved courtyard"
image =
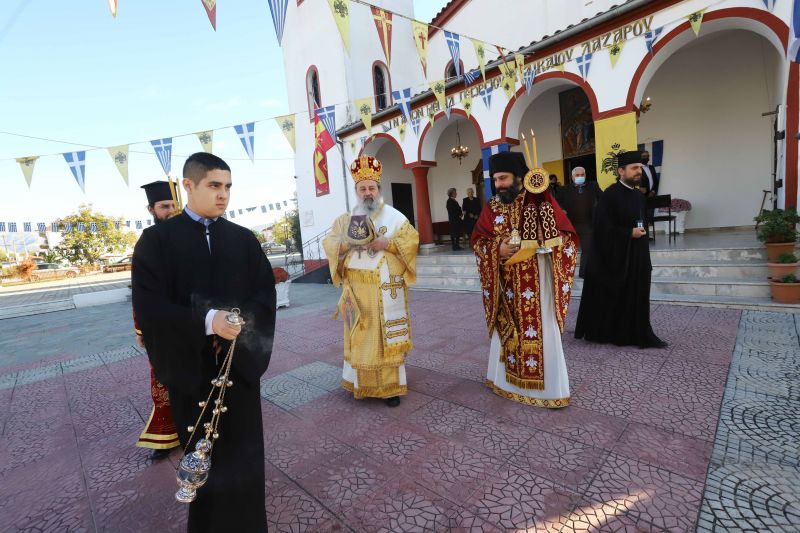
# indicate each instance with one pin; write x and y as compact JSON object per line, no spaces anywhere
{"x":642,"y":447}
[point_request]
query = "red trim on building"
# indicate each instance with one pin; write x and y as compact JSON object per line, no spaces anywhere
{"x":442,"y":114}
{"x":424,"y":220}
{"x":308,"y":96}
{"x":792,"y":126}
{"x":445,"y":14}
{"x":388,"y":80}
{"x":389,"y":138}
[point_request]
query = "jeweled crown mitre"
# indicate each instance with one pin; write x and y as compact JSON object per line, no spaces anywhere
{"x":366,"y":167}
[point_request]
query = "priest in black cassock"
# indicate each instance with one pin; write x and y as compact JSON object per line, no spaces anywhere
{"x":615,"y":301}
{"x":188,"y":272}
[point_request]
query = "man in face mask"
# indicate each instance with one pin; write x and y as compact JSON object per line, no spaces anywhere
{"x":579,"y":199}
{"x":650,"y":180}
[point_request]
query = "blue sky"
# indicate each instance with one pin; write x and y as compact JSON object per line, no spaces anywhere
{"x":73,"y":73}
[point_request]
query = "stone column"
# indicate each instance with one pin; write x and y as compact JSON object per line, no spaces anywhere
{"x":424,"y":223}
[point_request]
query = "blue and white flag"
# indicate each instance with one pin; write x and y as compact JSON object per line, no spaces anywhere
{"x":149,"y":222}
{"x":486,"y":153}
{"x":232,"y":213}
{"x":251,"y":209}
{"x":285,"y":203}
{"x":26,"y":227}
{"x":128,"y":223}
{"x":386,"y":127}
{"x":42,"y":227}
{"x":769,"y":4}
{"x":403,"y":100}
{"x":794,"y":33}
{"x":328,"y":117}
{"x":2,"y":227}
{"x":138,"y":224}
{"x":278,"y":206}
{"x":486,"y":95}
{"x":240,"y":212}
{"x":12,"y":227}
{"x":246,"y":133}
{"x":584,"y":62}
{"x":471,"y":76}
{"x":81,"y":226}
{"x":272,"y":207}
{"x":656,"y":149}
{"x":105,"y":225}
{"x":163,"y":148}
{"x":528,"y":78}
{"x":93,"y":227}
{"x":263,"y":209}
{"x":650,"y":38}
{"x":77,"y":164}
{"x":455,"y":50}
{"x":116,"y":224}
{"x":54,"y":227}
{"x":415,"y":125}
{"x":67,"y":227}
{"x":278,"y":10}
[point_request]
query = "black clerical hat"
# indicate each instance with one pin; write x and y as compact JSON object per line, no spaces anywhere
{"x":629,"y":158}
{"x":158,"y":191}
{"x":513,"y":162}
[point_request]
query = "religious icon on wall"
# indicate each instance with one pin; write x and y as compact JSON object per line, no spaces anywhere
{"x":577,"y":126}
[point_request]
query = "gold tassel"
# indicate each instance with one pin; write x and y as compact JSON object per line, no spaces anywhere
{"x":527,"y":384}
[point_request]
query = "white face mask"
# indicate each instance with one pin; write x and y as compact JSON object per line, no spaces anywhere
{"x":580,"y":180}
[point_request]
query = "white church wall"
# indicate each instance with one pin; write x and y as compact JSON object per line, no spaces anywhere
{"x":448,"y":172}
{"x":717,"y":147}
{"x":544,"y":117}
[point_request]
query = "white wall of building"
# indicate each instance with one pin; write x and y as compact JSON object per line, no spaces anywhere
{"x":707,"y":105}
{"x":544,"y":118}
{"x":448,"y":172}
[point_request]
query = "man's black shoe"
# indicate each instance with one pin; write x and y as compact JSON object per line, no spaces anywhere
{"x":394,"y":401}
{"x":159,"y":454}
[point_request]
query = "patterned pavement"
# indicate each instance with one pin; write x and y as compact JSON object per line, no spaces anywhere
{"x":630,"y":454}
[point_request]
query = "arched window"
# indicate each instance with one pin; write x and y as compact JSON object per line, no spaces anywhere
{"x":450,"y":70}
{"x":312,"y":90}
{"x":382,"y":85}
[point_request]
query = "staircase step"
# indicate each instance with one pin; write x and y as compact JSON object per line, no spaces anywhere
{"x":15,"y":311}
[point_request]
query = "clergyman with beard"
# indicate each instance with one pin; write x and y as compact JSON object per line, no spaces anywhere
{"x":372,"y":255}
{"x":615,"y":302}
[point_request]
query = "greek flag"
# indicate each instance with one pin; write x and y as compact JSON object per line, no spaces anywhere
{"x":271,"y":207}
{"x":240,"y":212}
{"x":328,"y":117}
{"x":486,"y":95}
{"x":486,"y":153}
{"x":12,"y":227}
{"x":138,"y":224}
{"x":67,"y":227}
{"x":246,"y":133}
{"x":278,"y":10}
{"x":105,"y":225}
{"x":80,"y":226}
{"x":232,"y":213}
{"x":163,"y":148}
{"x":285,"y":203}
{"x":769,"y":4}
{"x":2,"y":227}
{"x":415,"y":126}
{"x":455,"y":50}
{"x":651,"y":36}
{"x":116,"y":224}
{"x":54,"y":227}
{"x":278,"y":206}
{"x":77,"y":164}
{"x":471,"y":76}
{"x":584,"y":62}
{"x":528,"y":78}
{"x":26,"y":227}
{"x":93,"y":227}
{"x":656,"y":149}
{"x":42,"y":227}
{"x":128,"y":223}
{"x":794,"y":33}
{"x":403,"y":100}
{"x":149,"y":222}
{"x":386,"y":127}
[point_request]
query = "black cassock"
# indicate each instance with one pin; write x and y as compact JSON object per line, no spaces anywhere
{"x":176,"y":279}
{"x":615,"y":301}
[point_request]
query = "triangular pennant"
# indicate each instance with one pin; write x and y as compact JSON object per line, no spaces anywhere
{"x":246,"y":133}
{"x":793,"y":52}
{"x":454,"y":45}
{"x":696,"y":20}
{"x":27,"y":164}
{"x":650,"y":38}
{"x":528,"y":76}
{"x":286,"y":124}
{"x":401,"y":131}
{"x":584,"y":62}
{"x":614,"y":51}
{"x":480,"y":51}
{"x":211,"y":10}
{"x":447,"y":108}
{"x":471,"y":76}
{"x":383,"y":23}
{"x":341,"y":14}
{"x":112,"y":5}
{"x":77,"y":164}
{"x":120,"y":156}
{"x":769,"y":4}
{"x":206,"y":139}
{"x":277,"y":9}
{"x":163,"y":148}
{"x":420,"y":31}
{"x":438,"y":91}
{"x":364,"y":106}
{"x":328,"y":117}
{"x":431,"y":118}
{"x":415,"y":125}
{"x":519,"y":59}
{"x":403,"y":100}
{"x":560,"y":67}
{"x":486,"y":95}
{"x":509,"y":84}
{"x":466,"y":103}
{"x":386,"y":128}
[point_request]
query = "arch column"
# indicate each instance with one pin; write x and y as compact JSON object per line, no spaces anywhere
{"x":424,"y":221}
{"x":792,"y":127}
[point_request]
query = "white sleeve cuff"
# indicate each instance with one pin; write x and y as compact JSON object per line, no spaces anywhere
{"x":210,"y":321}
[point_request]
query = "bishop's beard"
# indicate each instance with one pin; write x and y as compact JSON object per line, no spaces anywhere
{"x":368,"y":206}
{"x":508,"y":195}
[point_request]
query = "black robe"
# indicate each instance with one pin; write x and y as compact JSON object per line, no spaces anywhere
{"x":579,"y":203}
{"x":615,"y":301}
{"x":175,"y":281}
{"x":470,"y":207}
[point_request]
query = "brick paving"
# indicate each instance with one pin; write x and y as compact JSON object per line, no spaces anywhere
{"x":631,"y":453}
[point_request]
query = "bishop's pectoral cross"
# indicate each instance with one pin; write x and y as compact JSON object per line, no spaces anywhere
{"x":395,"y":282}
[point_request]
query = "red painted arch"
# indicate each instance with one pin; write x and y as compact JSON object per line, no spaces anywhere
{"x":442,"y":114}
{"x":766,"y":18}
{"x":583,"y":84}
{"x":390,"y":139}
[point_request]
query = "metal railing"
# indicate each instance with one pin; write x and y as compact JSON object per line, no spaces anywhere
{"x":311,"y":257}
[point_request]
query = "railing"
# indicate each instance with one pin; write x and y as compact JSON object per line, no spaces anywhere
{"x":311,"y":257}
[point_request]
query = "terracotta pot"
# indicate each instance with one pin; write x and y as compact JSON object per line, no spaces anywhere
{"x":778,"y":270}
{"x":775,"y":249}
{"x":785,"y":293}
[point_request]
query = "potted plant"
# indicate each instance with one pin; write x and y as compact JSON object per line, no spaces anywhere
{"x":680,"y":208}
{"x":282,"y":283}
{"x":786,"y":290}
{"x":777,"y":229}
{"x":785,"y":265}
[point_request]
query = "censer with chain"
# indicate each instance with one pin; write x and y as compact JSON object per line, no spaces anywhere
{"x":193,"y":470}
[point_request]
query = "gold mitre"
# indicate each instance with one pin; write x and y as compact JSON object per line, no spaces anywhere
{"x":366,"y":167}
{"x":536,"y":180}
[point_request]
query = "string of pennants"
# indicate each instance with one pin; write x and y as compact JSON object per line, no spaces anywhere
{"x":69,"y":227}
{"x":512,"y":72}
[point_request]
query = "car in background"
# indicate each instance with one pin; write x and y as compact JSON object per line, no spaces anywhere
{"x":52,"y":271}
{"x":273,"y":248}
{"x":119,"y":266}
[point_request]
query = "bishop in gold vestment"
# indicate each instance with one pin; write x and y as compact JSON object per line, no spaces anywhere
{"x":372,"y":254}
